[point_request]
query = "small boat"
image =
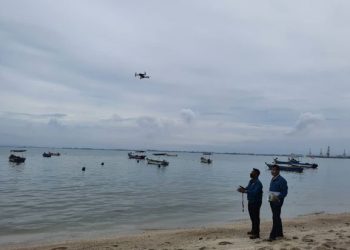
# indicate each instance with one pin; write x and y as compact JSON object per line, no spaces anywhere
{"x":54,"y":154}
{"x":167,"y":154}
{"x":294,"y":162}
{"x":164,"y":154}
{"x":305,"y":165}
{"x":163,"y":163}
{"x":16,"y":158}
{"x":286,"y":167}
{"x":138,"y":155}
{"x":206,"y":158}
{"x":47,"y":155}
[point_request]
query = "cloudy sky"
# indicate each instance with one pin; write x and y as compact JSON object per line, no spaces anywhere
{"x":226,"y":76}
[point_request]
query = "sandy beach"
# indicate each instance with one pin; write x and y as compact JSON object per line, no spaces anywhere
{"x":316,"y":231}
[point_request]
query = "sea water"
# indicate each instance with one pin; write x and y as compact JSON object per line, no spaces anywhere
{"x":52,"y":199}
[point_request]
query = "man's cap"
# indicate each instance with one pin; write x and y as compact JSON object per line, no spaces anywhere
{"x":256,"y":170}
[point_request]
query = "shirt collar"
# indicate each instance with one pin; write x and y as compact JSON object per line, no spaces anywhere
{"x":275,"y":177}
{"x":254,"y":180}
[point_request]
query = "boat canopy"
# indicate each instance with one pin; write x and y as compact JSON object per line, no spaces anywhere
{"x":18,"y":150}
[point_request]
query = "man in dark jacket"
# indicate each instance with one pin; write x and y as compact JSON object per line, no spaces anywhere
{"x":254,"y":194}
{"x":278,"y":191}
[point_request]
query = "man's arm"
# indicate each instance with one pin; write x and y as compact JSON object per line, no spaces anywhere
{"x":284,"y":189}
{"x":255,"y":188}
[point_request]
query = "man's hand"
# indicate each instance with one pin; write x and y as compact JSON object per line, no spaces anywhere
{"x":241,"y":189}
{"x":274,"y":198}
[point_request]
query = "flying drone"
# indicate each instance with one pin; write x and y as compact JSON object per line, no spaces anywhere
{"x":141,"y":75}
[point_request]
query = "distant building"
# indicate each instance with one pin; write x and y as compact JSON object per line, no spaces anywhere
{"x":328,"y":151}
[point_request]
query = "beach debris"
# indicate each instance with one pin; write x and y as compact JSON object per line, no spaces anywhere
{"x":222,"y":243}
{"x":307,"y":239}
{"x":265,"y":248}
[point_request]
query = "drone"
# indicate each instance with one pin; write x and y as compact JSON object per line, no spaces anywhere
{"x":141,"y":75}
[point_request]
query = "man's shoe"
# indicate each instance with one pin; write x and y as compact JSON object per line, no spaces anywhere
{"x":253,"y":237}
{"x":250,"y":232}
{"x":271,"y":239}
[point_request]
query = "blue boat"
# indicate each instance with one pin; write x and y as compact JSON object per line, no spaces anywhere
{"x":294,"y":162}
{"x":290,"y":161}
{"x":289,"y":168}
{"x":305,"y":165}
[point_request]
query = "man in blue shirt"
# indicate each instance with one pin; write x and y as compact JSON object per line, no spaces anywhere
{"x":278,"y":191}
{"x":254,"y":194}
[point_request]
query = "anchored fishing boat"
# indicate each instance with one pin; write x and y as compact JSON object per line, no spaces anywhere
{"x":54,"y":154}
{"x":305,"y":165}
{"x":46,"y":155}
{"x":138,"y":155}
{"x":294,"y":162}
{"x":206,"y":158}
{"x":164,"y":154}
{"x":159,"y":163}
{"x":289,"y":168}
{"x":15,"y":158}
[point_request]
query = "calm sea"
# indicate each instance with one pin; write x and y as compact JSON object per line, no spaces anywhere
{"x":51,"y":199}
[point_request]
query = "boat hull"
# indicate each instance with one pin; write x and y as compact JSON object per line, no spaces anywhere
{"x":16,"y":159}
{"x":47,"y":155}
{"x":206,"y":160}
{"x":137,"y":157}
{"x":289,"y":168}
{"x":305,"y":165}
{"x":157,"y":162}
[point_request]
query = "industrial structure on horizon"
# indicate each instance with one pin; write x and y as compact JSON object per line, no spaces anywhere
{"x":328,"y":154}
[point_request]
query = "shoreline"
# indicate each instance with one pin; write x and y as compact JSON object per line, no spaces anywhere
{"x":320,"y":230}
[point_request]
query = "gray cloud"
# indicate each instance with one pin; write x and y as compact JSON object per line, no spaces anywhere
{"x":246,"y":72}
{"x":306,"y":123}
{"x":188,"y":115}
{"x":33,"y":116}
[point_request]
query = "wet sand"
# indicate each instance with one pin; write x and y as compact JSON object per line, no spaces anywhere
{"x":316,"y":231}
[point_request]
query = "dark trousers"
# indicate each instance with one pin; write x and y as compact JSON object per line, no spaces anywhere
{"x":277,"y":230}
{"x":254,"y":213}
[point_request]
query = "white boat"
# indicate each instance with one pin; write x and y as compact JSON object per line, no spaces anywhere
{"x":206,"y":158}
{"x":159,"y":163}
